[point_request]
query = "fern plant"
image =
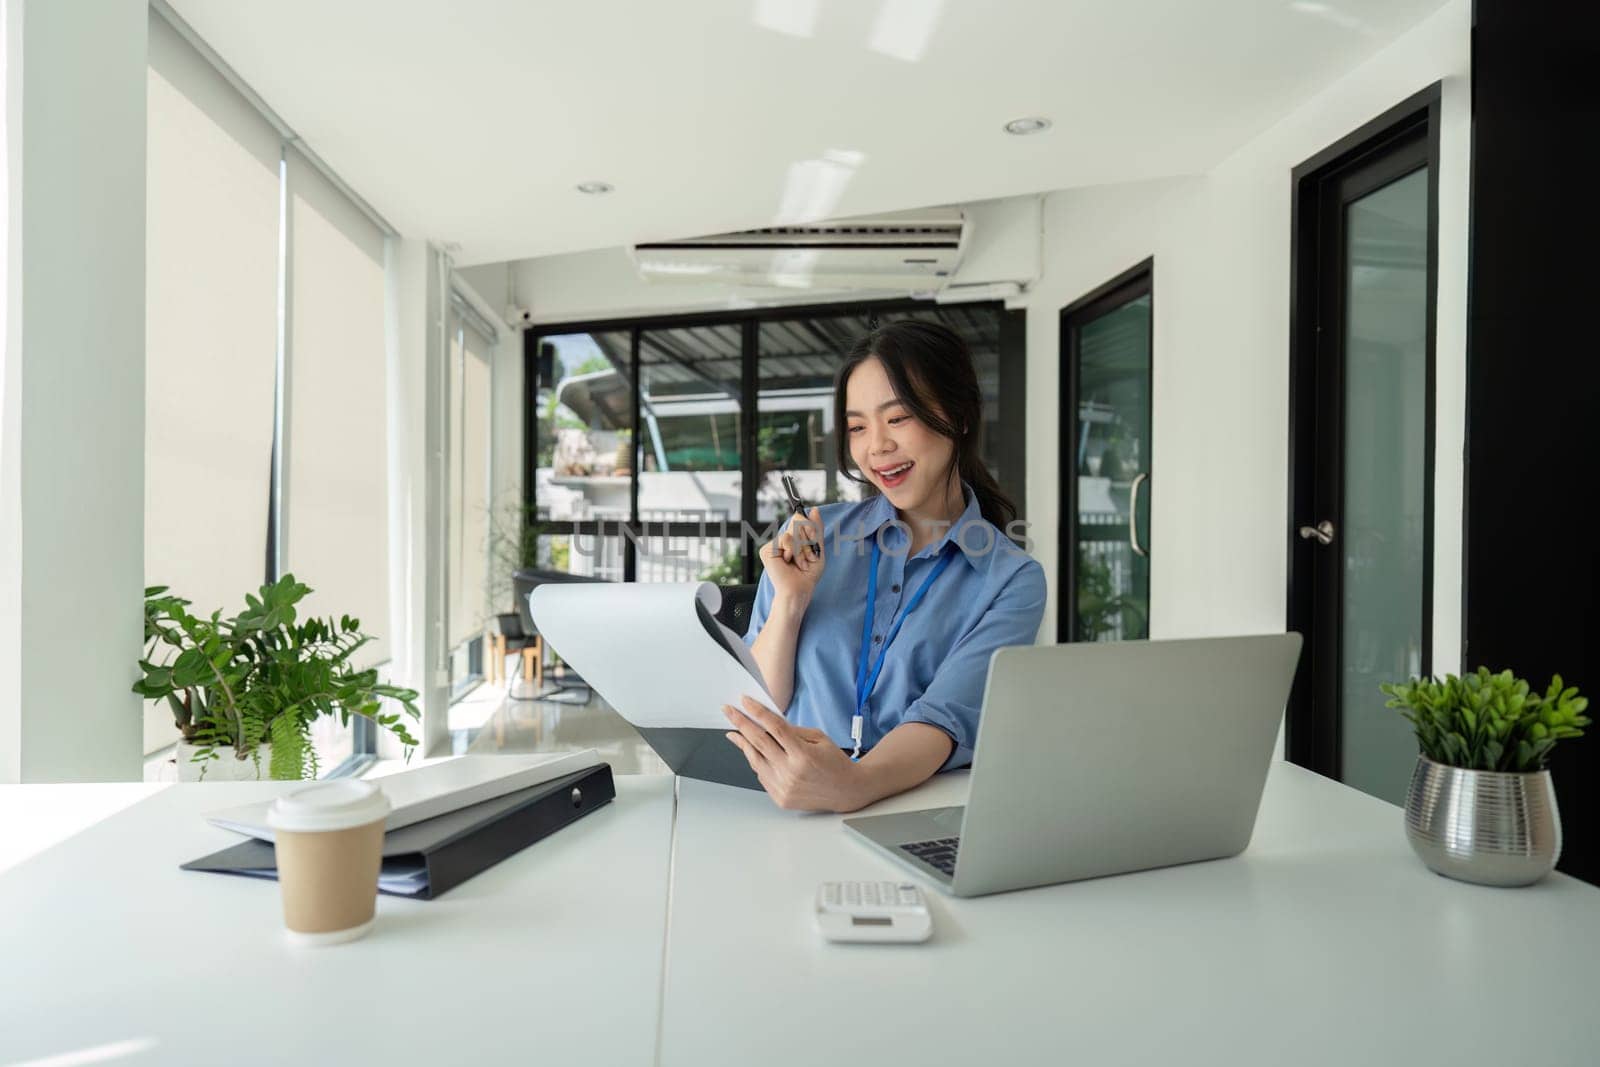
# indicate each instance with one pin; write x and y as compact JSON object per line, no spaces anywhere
{"x":263,"y":675}
{"x":1489,"y":722}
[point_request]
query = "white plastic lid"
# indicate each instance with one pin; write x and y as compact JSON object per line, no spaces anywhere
{"x":326,"y":806}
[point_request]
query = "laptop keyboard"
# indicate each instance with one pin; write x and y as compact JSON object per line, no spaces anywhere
{"x":940,"y":854}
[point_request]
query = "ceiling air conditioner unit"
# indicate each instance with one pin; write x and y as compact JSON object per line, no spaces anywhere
{"x":910,"y":251}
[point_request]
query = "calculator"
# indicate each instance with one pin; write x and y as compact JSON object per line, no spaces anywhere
{"x":872,"y":911}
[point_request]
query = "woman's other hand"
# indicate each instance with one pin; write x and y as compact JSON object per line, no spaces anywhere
{"x":795,"y":559}
{"x":800,"y":768}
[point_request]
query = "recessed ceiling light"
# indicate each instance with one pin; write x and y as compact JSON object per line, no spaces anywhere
{"x":1032,"y":124}
{"x":595,"y":188}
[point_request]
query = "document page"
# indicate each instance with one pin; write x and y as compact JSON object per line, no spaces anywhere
{"x":654,"y":652}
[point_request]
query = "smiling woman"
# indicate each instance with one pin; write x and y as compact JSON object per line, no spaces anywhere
{"x":875,"y":695}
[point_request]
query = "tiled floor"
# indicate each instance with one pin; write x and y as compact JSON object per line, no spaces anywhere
{"x":488,"y":720}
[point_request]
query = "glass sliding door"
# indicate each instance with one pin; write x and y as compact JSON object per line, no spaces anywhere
{"x":1382,"y":550}
{"x":1105,"y":468}
{"x":1362,"y":454}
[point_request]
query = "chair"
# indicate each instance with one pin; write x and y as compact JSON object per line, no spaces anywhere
{"x":505,"y":636}
{"x":737,"y":602}
{"x":531,"y":643}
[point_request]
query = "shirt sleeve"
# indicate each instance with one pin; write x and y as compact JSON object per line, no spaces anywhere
{"x":954,"y":698}
{"x":763,"y":602}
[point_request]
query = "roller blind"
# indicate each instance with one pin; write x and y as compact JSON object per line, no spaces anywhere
{"x":336,"y":471}
{"x":210,"y":335}
{"x":470,"y":376}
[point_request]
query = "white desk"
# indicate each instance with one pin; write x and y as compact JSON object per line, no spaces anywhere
{"x":1326,"y":942}
{"x":553,"y":955}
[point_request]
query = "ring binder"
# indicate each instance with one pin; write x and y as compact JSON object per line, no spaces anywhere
{"x":432,"y":857}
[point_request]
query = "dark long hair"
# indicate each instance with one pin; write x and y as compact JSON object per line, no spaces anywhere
{"x":931,"y":370}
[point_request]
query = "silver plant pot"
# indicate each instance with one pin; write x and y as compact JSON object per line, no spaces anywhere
{"x":1488,"y":827}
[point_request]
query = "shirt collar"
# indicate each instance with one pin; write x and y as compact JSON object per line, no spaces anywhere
{"x":976,"y":548}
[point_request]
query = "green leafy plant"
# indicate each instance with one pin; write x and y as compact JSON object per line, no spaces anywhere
{"x":1102,"y":607}
{"x":263,"y":675}
{"x":1489,"y":722}
{"x":517,"y":541}
{"x":727,"y":571}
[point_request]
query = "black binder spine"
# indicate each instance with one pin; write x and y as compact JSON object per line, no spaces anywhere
{"x":562,"y":802}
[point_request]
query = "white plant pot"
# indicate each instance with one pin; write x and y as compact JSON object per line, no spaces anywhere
{"x":226,"y":767}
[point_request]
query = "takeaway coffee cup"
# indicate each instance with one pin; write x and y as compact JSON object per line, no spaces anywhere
{"x":329,"y":843}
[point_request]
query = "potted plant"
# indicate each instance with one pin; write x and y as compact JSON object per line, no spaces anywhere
{"x":245,"y":690}
{"x":1481,"y":807}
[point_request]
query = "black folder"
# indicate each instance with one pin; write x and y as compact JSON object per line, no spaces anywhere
{"x":434,"y":856}
{"x":694,"y":752}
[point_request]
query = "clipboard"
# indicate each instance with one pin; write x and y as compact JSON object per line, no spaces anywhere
{"x":708,"y":755}
{"x":678,"y":666}
{"x":429,"y":858}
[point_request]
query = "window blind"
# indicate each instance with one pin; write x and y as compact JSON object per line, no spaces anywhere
{"x":470,"y":377}
{"x":210,"y":336}
{"x":335,"y":489}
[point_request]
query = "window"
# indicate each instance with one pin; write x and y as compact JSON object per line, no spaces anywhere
{"x":656,"y":483}
{"x":336,"y":487}
{"x":266,"y":388}
{"x":210,"y":336}
{"x":468,"y":474}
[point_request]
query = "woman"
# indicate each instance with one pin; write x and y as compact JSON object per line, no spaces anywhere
{"x":870,"y":705}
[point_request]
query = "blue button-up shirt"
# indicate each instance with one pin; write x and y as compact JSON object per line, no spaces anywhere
{"x":992,"y":594}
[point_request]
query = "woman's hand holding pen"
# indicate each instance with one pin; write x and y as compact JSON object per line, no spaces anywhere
{"x":800,"y":768}
{"x":794,"y":559}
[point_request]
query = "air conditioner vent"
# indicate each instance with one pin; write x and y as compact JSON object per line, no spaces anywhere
{"x":904,"y":251}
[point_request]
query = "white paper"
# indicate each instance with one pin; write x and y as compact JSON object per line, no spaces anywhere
{"x":449,"y":785}
{"x":645,"y":648}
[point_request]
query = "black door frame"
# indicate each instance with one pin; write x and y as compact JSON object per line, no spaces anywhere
{"x":1400,"y":141}
{"x":1130,"y":285}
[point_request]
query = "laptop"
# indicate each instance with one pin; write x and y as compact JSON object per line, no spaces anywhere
{"x":1104,"y":758}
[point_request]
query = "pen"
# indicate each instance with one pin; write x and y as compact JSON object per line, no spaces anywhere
{"x":797,"y":507}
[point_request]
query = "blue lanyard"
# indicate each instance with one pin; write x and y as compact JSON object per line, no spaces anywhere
{"x":868,"y":669}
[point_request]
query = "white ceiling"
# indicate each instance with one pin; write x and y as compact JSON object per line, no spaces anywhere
{"x":470,"y":121}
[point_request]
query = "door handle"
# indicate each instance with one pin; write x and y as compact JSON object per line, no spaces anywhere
{"x":1133,"y":515}
{"x":1321,"y":532}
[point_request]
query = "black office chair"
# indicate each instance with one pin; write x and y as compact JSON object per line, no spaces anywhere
{"x":737,"y":602}
{"x":568,"y":687}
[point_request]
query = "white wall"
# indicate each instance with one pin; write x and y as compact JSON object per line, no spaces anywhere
{"x":1221,"y":244}
{"x":72,"y":470}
